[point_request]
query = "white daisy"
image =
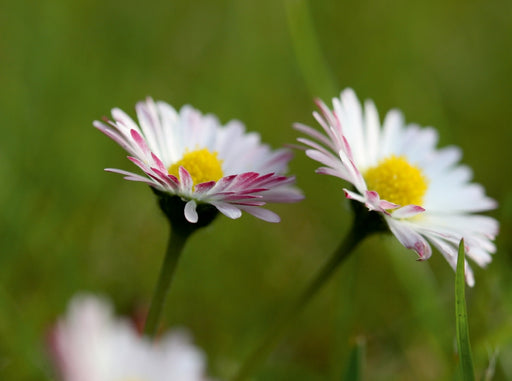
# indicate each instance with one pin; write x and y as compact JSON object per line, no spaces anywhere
{"x":421,"y":192}
{"x":89,"y":344}
{"x":192,"y":156}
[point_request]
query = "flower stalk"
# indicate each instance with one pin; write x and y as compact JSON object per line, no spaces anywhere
{"x":181,"y":230}
{"x":177,"y":241}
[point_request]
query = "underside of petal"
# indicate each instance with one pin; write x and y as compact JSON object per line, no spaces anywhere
{"x":191,"y":212}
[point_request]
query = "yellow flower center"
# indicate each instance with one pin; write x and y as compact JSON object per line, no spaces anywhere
{"x":202,"y":165}
{"x":397,"y":181}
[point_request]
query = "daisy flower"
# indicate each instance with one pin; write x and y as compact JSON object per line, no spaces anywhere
{"x":89,"y":344}
{"x":421,"y":192}
{"x":190,"y":155}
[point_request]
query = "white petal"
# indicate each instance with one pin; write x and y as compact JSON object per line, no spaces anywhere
{"x":185,"y":180}
{"x":391,"y":130}
{"x":228,"y":210}
{"x":409,"y":238}
{"x":372,"y":125}
{"x":191,"y":212}
{"x":262,"y":214}
{"x":354,"y":196}
{"x":126,"y":122}
{"x":349,"y":111}
{"x":407,"y":211}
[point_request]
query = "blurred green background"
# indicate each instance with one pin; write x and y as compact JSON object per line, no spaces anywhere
{"x":66,"y":226}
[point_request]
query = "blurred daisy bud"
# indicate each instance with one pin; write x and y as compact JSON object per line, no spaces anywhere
{"x":90,"y":344}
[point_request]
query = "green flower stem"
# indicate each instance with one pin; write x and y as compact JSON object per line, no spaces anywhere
{"x":312,"y":63}
{"x":364,"y":224}
{"x":175,"y":246}
{"x":181,"y":229}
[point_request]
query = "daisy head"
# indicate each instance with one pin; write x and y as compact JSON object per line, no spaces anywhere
{"x":199,"y":166}
{"x":420,"y":192}
{"x":90,"y":344}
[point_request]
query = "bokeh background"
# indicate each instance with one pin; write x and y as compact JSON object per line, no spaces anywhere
{"x":66,"y":226}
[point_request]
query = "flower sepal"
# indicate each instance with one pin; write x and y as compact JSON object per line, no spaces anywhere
{"x":175,"y":208}
{"x":367,"y":222}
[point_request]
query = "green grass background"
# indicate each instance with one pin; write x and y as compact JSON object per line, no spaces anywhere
{"x":66,"y":226}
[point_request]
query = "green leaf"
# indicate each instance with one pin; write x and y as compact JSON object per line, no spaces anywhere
{"x":464,"y":347}
{"x":354,"y":368}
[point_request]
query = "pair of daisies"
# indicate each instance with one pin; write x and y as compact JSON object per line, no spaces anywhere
{"x":424,"y":196}
{"x":421,"y":192}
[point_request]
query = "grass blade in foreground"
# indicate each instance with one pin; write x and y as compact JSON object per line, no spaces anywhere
{"x":464,"y":347}
{"x":354,"y":368}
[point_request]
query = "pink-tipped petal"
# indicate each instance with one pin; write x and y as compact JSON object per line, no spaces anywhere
{"x":409,"y":238}
{"x":117,"y":138}
{"x":139,"y":163}
{"x":407,"y":211}
{"x":141,"y":143}
{"x":331,"y":172}
{"x":374,"y":202}
{"x":314,"y":134}
{"x":164,"y":177}
{"x":386,"y":205}
{"x":158,"y":162}
{"x":326,"y":159}
{"x":186,"y":179}
{"x":283,"y":195}
{"x":279,"y":160}
{"x":204,"y":187}
{"x":355,"y":175}
{"x":353,"y":196}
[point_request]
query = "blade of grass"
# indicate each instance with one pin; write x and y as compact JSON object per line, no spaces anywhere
{"x":354,"y":368}
{"x":310,"y":58}
{"x":463,"y":345}
{"x":491,"y":368}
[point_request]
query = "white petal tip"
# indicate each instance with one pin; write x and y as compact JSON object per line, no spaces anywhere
{"x":191,"y":212}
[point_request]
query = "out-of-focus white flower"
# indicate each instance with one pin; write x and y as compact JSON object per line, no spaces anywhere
{"x":90,"y":344}
{"x":192,"y":156}
{"x":421,"y":192}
